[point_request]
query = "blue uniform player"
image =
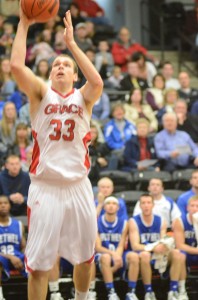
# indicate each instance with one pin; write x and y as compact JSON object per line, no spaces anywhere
{"x":110,"y":244}
{"x":145,"y":232}
{"x":186,"y":236}
{"x":12,"y":243}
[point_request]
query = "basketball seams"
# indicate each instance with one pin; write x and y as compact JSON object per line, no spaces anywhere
{"x":32,"y":8}
{"x":30,"y":11}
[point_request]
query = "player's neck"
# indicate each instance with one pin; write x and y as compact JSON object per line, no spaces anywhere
{"x":148,"y":219}
{"x":5,"y":220}
{"x":157,"y":197}
{"x":110,"y":218}
{"x":62,"y":89}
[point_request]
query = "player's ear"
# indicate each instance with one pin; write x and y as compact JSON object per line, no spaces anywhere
{"x":75,"y":77}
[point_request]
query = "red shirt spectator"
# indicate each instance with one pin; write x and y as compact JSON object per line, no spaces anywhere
{"x":89,"y":8}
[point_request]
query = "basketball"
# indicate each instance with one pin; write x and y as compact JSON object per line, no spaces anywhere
{"x":40,"y":10}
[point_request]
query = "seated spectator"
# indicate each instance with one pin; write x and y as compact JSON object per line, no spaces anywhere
{"x":7,"y":38}
{"x":139,"y":148}
{"x":12,"y":244}
{"x":132,"y":80}
{"x":123,"y":49}
{"x":147,"y":69}
{"x":43,"y":70}
{"x":118,"y":130}
{"x":75,"y":14}
{"x":155,"y":95}
{"x":101,"y":109}
{"x":186,"y":92}
{"x":14,"y":183}
{"x":186,"y":238}
{"x":7,"y":128}
{"x":106,"y":189}
{"x":81,"y":37}
{"x":24,"y":114}
{"x":183,"y":199}
{"x":103,"y":60}
{"x":90,"y":10}
{"x":167,"y":72}
{"x":22,"y":141}
{"x":114,"y":79}
{"x":170,"y":98}
{"x":186,"y":121}
{"x":25,"y":165}
{"x":175,"y":148}
{"x":7,"y":83}
{"x":60,"y":46}
{"x":135,"y":109}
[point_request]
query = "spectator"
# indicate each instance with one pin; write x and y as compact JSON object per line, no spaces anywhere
{"x":135,"y":109}
{"x":24,"y":115}
{"x":186,"y":92}
{"x":123,"y":49}
{"x":132,"y":80}
{"x":101,"y":109}
{"x":25,"y":165}
{"x":147,"y":69}
{"x":90,"y":10}
{"x":6,"y":38}
{"x":59,"y":44}
{"x":155,"y":95}
{"x":183,"y":199}
{"x":22,"y":141}
{"x":106,"y":189}
{"x":81,"y":37}
{"x":114,"y":80}
{"x":75,"y":14}
{"x":14,"y":183}
{"x":186,"y":121}
{"x":43,"y":70}
{"x":139,"y":148}
{"x":12,"y":243}
{"x":8,"y":128}
{"x":175,"y":148}
{"x":7,"y":83}
{"x":103,"y":60}
{"x":167,"y":72}
{"x":164,"y":206}
{"x":110,"y":256}
{"x":118,"y":130}
{"x":185,"y":234}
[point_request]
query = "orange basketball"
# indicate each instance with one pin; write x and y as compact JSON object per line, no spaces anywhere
{"x":40,"y":10}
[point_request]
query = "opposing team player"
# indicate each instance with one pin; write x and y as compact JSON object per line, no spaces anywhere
{"x":62,"y":215}
{"x":12,"y":243}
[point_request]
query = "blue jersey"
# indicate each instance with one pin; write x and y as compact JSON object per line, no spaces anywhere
{"x":148,"y":234}
{"x":189,"y":231}
{"x":10,"y":237}
{"x":110,"y":233}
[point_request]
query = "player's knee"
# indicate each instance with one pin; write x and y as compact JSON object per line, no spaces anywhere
{"x":175,"y":255}
{"x":132,"y":258}
{"x":105,"y":259}
{"x":145,"y":257}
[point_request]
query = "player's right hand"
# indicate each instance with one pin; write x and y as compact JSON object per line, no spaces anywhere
{"x":16,"y":262}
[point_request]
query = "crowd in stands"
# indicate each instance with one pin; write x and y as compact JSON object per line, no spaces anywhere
{"x":149,"y":122}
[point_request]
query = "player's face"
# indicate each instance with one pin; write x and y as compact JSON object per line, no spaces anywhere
{"x":111,"y":208}
{"x":194,"y":180}
{"x":106,"y":188}
{"x":155,"y":187}
{"x":13,"y":165}
{"x":63,"y":70}
{"x":193,"y":207}
{"x":146,"y":204}
{"x":4,"y":207}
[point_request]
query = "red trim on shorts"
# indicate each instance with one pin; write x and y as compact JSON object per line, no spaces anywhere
{"x":86,"y":141}
{"x":28,"y":215}
{"x":27,"y":267}
{"x":91,"y":259}
{"x":35,"y":154}
{"x":63,"y":96}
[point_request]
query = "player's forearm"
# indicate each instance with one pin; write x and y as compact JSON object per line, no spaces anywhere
{"x":8,"y":256}
{"x":188,"y":249}
{"x":19,"y":45}
{"x":86,"y":66}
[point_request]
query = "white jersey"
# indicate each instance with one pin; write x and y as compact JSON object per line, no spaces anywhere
{"x":61,"y":132}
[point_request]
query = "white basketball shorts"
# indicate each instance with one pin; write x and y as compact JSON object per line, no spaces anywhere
{"x":62,"y":221}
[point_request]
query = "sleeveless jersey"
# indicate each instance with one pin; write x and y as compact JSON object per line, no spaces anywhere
{"x":189,"y":231}
{"x":10,"y":237}
{"x":110,"y":233}
{"x":61,"y":135}
{"x":148,"y":234}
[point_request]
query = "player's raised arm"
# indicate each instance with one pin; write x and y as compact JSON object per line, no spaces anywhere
{"x":94,"y":85}
{"x":25,"y":78}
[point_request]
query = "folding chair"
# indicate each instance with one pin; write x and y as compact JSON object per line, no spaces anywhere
{"x":142,"y":178}
{"x":122,"y":180}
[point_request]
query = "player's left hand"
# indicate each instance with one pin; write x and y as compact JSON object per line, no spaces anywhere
{"x":69,"y":32}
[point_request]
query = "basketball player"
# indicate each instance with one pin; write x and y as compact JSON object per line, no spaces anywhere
{"x":62,"y":215}
{"x":12,"y":243}
{"x":144,"y":230}
{"x":185,"y":238}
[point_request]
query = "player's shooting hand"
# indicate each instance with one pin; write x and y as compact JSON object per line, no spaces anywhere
{"x":69,"y":32}
{"x":16,"y":262}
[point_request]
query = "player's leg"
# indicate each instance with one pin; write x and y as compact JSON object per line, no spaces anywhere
{"x":37,"y":285}
{"x":92,"y":295}
{"x":175,"y":270}
{"x":182,"y":279}
{"x":132,"y":260}
{"x":82,"y":277}
{"x":146,"y":272}
{"x":53,"y":281}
